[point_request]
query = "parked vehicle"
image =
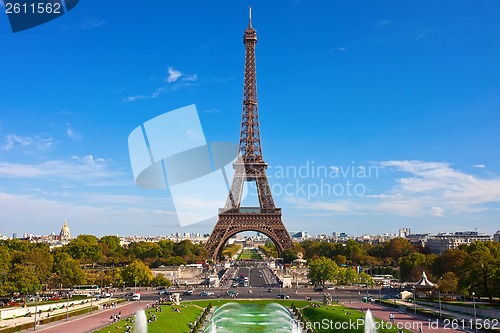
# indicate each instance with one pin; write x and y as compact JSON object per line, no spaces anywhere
{"x":206,"y":293}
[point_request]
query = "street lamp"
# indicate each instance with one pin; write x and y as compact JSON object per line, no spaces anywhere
{"x":414,"y":302}
{"x":36,"y":311}
{"x":475,"y":314}
{"x":440,"y":313}
{"x":67,"y":305}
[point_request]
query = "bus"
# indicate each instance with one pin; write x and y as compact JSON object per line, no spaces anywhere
{"x":86,"y":289}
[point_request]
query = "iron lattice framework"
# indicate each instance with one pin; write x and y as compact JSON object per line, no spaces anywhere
{"x":249,"y":167}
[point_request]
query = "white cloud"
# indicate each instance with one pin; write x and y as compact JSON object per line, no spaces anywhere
{"x":212,"y":110}
{"x":342,"y":49}
{"x":173,"y":75}
{"x":174,"y":83}
{"x":72,"y":134}
{"x":81,"y":169}
{"x":437,"y":211}
{"x":14,"y":141}
{"x":91,"y":23}
{"x":479,"y":166}
{"x":192,"y":77}
{"x":100,"y":215}
{"x":155,"y":94}
{"x":423,"y":189}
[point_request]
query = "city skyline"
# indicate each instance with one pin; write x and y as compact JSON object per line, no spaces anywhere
{"x":372,"y":117}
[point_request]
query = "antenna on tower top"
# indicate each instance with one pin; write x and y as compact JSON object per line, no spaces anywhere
{"x":249,"y":16}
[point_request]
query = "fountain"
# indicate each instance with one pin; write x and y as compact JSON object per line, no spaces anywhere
{"x":370,"y":326}
{"x":234,"y":317}
{"x":140,"y":322}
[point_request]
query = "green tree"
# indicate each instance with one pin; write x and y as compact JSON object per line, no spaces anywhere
{"x":24,"y":279}
{"x":397,"y":248}
{"x":117,"y":277}
{"x":413,"y":265}
{"x":43,"y":260}
{"x":183,"y":248}
{"x":146,"y":251}
{"x":137,"y":273}
{"x":67,"y":270}
{"x":5,"y":259}
{"x":448,"y":283}
{"x":112,"y":251}
{"x":352,"y":250}
{"x":85,"y":248}
{"x":449,"y":261}
{"x":321,"y":270}
{"x":347,"y":275}
{"x":366,"y":279}
{"x":160,"y":281}
{"x":166,"y":247}
{"x":481,"y":268}
{"x":112,"y":243}
{"x":340,"y":259}
{"x":289,"y":255}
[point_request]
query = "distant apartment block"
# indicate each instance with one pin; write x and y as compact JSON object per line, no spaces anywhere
{"x":404,"y":232}
{"x":496,"y":236}
{"x":443,"y":241}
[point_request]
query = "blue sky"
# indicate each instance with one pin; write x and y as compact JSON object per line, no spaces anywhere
{"x":408,"y":90}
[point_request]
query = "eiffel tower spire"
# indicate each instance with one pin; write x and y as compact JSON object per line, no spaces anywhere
{"x":250,"y":148}
{"x":249,"y":167}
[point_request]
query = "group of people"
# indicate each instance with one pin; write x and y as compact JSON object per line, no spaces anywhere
{"x":116,"y":317}
{"x":109,"y":305}
{"x":152,"y":317}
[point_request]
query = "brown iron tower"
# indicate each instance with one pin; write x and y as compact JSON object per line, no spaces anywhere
{"x":249,"y":167}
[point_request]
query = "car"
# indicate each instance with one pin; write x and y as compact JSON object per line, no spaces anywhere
{"x":232,"y":294}
{"x":368,"y":299}
{"x":260,"y":275}
{"x":164,"y":292}
{"x":187,"y":292}
{"x":282,"y":296}
{"x":235,"y":285}
{"x":206,"y":293}
{"x":318,"y":288}
{"x":136,"y":297}
{"x":270,"y":290}
{"x":128,"y":295}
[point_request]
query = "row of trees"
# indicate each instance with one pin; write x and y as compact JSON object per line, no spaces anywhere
{"x":27,"y":267}
{"x":474,"y":267}
{"x":322,"y":270}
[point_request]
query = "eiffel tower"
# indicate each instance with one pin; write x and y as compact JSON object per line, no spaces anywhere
{"x":249,"y":167}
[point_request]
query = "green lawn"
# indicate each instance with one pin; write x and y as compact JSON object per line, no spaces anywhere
{"x":167,"y":319}
{"x":337,"y":318}
{"x":249,"y":254}
{"x":179,"y":322}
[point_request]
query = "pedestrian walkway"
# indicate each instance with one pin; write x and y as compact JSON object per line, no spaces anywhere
{"x":89,"y":323}
{"x":57,"y":309}
{"x":404,"y":320}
